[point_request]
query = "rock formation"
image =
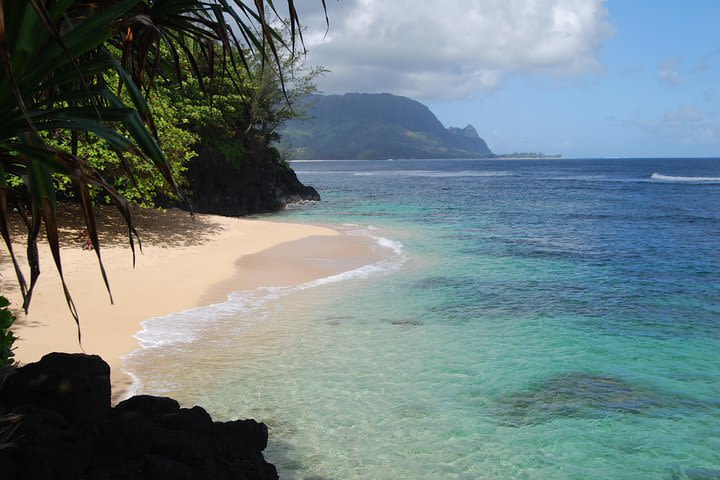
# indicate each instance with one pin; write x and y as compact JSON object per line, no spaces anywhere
{"x":243,"y":186}
{"x":56,"y":422}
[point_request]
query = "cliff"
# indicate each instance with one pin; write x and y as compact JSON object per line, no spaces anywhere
{"x":377,"y":126}
{"x":240,"y":178}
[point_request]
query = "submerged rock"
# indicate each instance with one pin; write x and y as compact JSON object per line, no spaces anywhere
{"x":56,"y":422}
{"x":696,"y":474}
{"x":406,"y":321}
{"x":336,"y":320}
{"x":440,"y":281}
{"x":575,"y":395}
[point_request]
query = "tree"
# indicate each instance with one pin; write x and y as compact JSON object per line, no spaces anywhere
{"x":249,"y":108}
{"x":277,"y":98}
{"x":83,"y":70}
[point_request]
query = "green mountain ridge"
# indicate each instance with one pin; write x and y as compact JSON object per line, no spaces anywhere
{"x":377,"y":126}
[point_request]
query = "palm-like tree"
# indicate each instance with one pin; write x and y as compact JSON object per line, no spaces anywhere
{"x":60,"y":60}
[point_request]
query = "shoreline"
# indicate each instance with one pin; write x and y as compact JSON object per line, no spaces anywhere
{"x":184,"y":265}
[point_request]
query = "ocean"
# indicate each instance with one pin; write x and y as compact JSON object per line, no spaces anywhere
{"x":538,"y":319}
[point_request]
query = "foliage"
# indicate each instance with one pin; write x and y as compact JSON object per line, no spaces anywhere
{"x":232,"y":150}
{"x":59,"y":60}
{"x":271,"y":105}
{"x":246,"y":112}
{"x":146,"y":182}
{"x":7,"y":339}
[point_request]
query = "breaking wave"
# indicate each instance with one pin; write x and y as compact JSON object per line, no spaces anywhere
{"x":678,"y":179}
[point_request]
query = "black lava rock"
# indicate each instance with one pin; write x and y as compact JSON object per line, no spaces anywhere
{"x":56,"y":422}
{"x":233,"y":187}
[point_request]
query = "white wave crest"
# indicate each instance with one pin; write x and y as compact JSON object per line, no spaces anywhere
{"x":678,"y":179}
{"x":365,"y":230}
{"x":394,"y":245}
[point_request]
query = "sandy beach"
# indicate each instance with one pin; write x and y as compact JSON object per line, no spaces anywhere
{"x":185,"y":263}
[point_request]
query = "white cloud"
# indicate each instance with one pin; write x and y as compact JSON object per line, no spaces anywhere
{"x":682,"y":116}
{"x":451,"y":49}
{"x":668,"y":72}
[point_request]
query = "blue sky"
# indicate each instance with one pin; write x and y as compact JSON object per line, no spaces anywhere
{"x":584,"y":78}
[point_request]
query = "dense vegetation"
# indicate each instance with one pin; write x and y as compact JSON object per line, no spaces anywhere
{"x":7,"y":338}
{"x":377,"y":126}
{"x":107,"y":101}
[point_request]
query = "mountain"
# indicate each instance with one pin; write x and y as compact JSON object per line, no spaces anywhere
{"x":377,"y":126}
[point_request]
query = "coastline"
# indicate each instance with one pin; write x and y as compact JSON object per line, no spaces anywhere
{"x":185,"y":264}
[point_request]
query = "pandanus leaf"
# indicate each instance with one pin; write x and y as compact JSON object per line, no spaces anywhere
{"x":87,"y":36}
{"x":81,"y":186}
{"x":270,"y":36}
{"x":4,"y":231}
{"x":45,"y":16}
{"x":45,"y":207}
{"x":7,"y":66}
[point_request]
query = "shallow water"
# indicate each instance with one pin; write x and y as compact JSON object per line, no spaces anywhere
{"x":542,"y":319}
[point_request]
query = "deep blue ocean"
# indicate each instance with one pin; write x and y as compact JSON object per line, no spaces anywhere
{"x":541,"y":319}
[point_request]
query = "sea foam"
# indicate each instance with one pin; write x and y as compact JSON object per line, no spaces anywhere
{"x":395,"y":246}
{"x":187,"y":326}
{"x":678,"y":179}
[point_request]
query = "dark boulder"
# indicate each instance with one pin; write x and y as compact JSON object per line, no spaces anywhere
{"x":76,"y":386}
{"x":61,"y":426}
{"x":148,"y":405}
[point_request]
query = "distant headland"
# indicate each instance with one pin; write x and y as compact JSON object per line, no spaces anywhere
{"x":368,"y":126}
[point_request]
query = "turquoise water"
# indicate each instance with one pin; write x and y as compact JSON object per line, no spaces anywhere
{"x":539,"y":320}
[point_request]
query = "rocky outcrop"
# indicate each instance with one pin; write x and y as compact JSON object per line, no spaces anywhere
{"x":253,"y":183}
{"x":468,"y":139}
{"x":56,"y":422}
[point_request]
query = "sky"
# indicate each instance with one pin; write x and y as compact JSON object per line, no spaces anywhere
{"x":582,"y":78}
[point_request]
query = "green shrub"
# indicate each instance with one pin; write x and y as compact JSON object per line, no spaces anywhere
{"x":6,"y":336}
{"x":232,"y":150}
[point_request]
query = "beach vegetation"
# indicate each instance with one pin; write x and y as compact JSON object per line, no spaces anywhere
{"x":7,"y":338}
{"x":250,"y":108}
{"x":91,"y":95}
